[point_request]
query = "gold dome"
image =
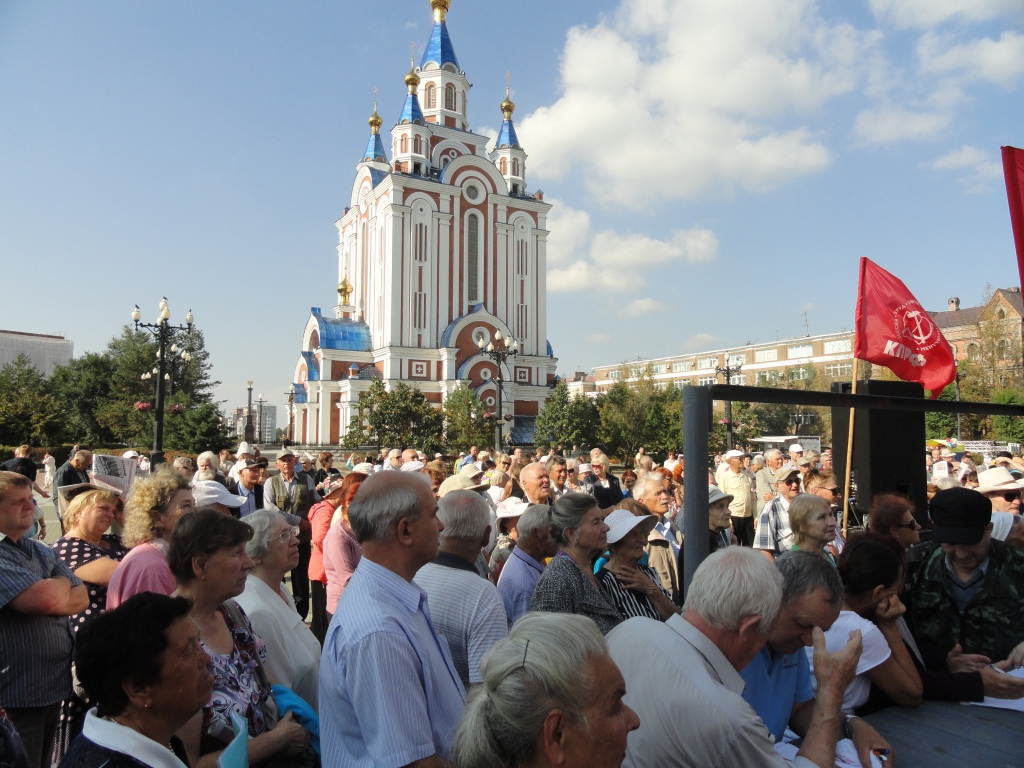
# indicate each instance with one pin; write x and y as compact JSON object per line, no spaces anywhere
{"x":412,"y":80}
{"x":440,"y":8}
{"x":375,"y":122}
{"x":345,"y":291}
{"x":508,"y":107}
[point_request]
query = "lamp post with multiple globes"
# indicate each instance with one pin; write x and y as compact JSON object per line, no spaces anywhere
{"x":163,"y":332}
{"x":499,"y":351}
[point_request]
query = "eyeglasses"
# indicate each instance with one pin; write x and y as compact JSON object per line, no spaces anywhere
{"x":791,"y":481}
{"x":913,"y":525}
{"x":285,"y":536}
{"x":833,"y":491}
{"x":1010,"y":496}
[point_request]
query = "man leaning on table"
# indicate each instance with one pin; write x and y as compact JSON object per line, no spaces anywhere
{"x":682,"y":680}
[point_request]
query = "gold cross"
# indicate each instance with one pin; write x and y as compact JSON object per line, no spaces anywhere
{"x":412,"y":55}
{"x":507,"y":75}
{"x":374,"y":99}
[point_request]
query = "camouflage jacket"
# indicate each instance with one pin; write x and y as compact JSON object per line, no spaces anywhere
{"x":992,"y":624}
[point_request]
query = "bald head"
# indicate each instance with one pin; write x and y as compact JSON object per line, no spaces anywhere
{"x":536,"y":483}
{"x":386,"y":498}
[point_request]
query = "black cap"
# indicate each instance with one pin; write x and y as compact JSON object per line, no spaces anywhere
{"x":959,"y":516}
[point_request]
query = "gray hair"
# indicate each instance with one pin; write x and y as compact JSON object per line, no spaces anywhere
{"x":554,"y":461}
{"x":505,"y":715}
{"x":535,"y":516}
{"x":261,"y":521}
{"x":568,"y":512}
{"x":383,"y":500}
{"x":205,"y":474}
{"x":757,"y":461}
{"x":465,"y":515}
{"x":804,"y":573}
{"x":772,"y":453}
{"x":183,"y":462}
{"x":733,"y":584}
{"x":647,"y":484}
{"x":499,"y":478}
{"x":945,"y":483}
{"x":214,"y":459}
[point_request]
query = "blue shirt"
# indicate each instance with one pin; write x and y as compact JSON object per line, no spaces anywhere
{"x":517,"y":582}
{"x":389,"y":691}
{"x":774,"y":684}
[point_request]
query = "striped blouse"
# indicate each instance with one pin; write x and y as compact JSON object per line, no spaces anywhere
{"x":628,"y":602}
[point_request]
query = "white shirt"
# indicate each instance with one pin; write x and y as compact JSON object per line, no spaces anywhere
{"x":876,"y":651}
{"x":293,"y":652}
{"x":688,"y":698}
{"x":127,"y":741}
{"x":670,"y":464}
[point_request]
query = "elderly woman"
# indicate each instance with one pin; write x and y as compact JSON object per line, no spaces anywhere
{"x":143,"y":667}
{"x":634,"y":588}
{"x":209,"y":561}
{"x":550,"y":696}
{"x":93,"y":554}
{"x":293,"y":653}
{"x":496,"y":492}
{"x":813,"y":524}
{"x":605,"y":487}
{"x":507,"y":515}
{"x":325,"y":460}
{"x":568,"y":584}
{"x":320,"y":517}
{"x":154,"y":506}
{"x":892,"y":514}
{"x":341,"y":549}
{"x":628,"y":481}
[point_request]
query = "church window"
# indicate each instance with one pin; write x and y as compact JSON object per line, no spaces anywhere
{"x":419,"y":310}
{"x":503,"y":166}
{"x":1001,"y":314}
{"x":472,"y":256}
{"x":522,"y":321}
{"x":404,"y":143}
{"x":417,"y":145}
{"x":431,"y":96}
{"x":449,"y":97}
{"x":522,"y":258}
{"x":973,"y":352}
{"x":515,"y":167}
{"x":420,"y":244}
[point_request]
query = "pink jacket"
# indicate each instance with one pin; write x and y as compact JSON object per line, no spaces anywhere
{"x":342,"y":554}
{"x":144,"y":569}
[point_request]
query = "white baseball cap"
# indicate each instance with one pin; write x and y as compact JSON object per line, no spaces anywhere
{"x":734,"y":454}
{"x":413,"y":466}
{"x":796,"y":447}
{"x":208,"y":492}
{"x":244,"y":447}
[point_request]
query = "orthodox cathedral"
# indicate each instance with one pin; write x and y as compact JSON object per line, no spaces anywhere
{"x":440,"y":250}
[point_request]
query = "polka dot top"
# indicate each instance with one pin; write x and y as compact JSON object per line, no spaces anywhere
{"x":75,"y":553}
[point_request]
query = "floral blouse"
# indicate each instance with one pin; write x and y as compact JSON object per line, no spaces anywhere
{"x":75,"y":553}
{"x":235,"y":686}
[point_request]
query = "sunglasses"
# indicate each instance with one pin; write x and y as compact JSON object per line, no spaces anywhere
{"x":833,"y":491}
{"x":913,"y":525}
{"x":1010,"y":495}
{"x":792,"y":481}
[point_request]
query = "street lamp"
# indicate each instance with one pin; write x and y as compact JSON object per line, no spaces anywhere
{"x":261,"y":436}
{"x":499,"y":350}
{"x":249,"y":431}
{"x":291,"y":414}
{"x":728,"y":371}
{"x":164,"y":333}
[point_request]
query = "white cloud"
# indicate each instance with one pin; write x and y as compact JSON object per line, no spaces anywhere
{"x":582,"y":260}
{"x":672,"y":100}
{"x":882,"y":125}
{"x":809,"y":307}
{"x":643,"y":307}
{"x":599,"y":337}
{"x":699,"y":341}
{"x":980,"y":164}
{"x":999,"y":61}
{"x":490,"y":133}
{"x":929,"y":13}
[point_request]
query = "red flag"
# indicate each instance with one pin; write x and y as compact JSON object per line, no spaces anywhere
{"x":894,"y":330}
{"x":1013,"y":170}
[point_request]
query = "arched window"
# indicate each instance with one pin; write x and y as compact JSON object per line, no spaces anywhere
{"x":420,"y":244}
{"x":1004,"y":348}
{"x":431,"y":96}
{"x":449,"y":97}
{"x":973,"y":351}
{"x":417,"y":145}
{"x":503,"y":166}
{"x":472,"y":256}
{"x":515,"y":167}
{"x":404,"y":144}
{"x":1001,"y":314}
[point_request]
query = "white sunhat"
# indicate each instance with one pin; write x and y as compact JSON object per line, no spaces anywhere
{"x":472,"y":471}
{"x":366,"y":468}
{"x":130,"y":455}
{"x":997,"y":479}
{"x":413,"y":466}
{"x":244,"y":447}
{"x":622,"y":521}
{"x":511,"y":507}
{"x":208,"y":492}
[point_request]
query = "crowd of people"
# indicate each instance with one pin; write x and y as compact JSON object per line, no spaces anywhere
{"x":493,"y":609}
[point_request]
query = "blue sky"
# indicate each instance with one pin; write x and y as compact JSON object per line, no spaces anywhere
{"x":717,"y":167}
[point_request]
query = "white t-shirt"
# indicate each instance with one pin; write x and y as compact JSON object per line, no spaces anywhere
{"x":876,"y":651}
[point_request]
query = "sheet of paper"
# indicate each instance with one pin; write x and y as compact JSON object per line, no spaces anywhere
{"x":113,"y":471}
{"x":846,"y":754}
{"x":1015,"y":704}
{"x":787,"y":750}
{"x":940,"y":469}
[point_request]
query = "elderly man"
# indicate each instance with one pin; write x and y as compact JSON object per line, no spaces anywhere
{"x":558,"y":474}
{"x":288,"y":493}
{"x":778,"y":679}
{"x":999,"y":487}
{"x":764,"y":480}
{"x":464,"y":607}
{"x":796,"y":452}
{"x":248,"y":486}
{"x":666,"y":540}
{"x":774,"y":535}
{"x":719,"y":524}
{"x":243,"y":452}
{"x":37,"y":594}
{"x":536,"y":483}
{"x":393,"y":460}
{"x":207,"y":461}
{"x":964,"y":587}
{"x":684,"y":670}
{"x":470,"y":459}
{"x":738,"y":482}
{"x":525,"y":564}
{"x":73,"y":471}
{"x":389,"y":691}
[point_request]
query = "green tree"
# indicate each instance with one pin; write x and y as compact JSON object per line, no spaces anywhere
{"x":83,"y":385}
{"x":634,"y":415}
{"x":398,"y":418}
{"x":197,"y":427}
{"x":939,"y":426}
{"x":1009,"y":428}
{"x":29,"y":412}
{"x":461,"y":429}
{"x":566,"y":420}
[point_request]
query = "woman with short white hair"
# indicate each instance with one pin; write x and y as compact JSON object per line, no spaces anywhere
{"x":293,"y":652}
{"x":551,"y":695}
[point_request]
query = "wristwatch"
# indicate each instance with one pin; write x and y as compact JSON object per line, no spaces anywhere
{"x":846,"y":725}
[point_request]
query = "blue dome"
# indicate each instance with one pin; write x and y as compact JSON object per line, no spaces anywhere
{"x":439,"y":48}
{"x":342,"y":333}
{"x":507,"y":137}
{"x":412,"y":113}
{"x":374,"y":150}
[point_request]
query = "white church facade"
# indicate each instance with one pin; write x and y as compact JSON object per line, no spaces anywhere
{"x":438,"y":248}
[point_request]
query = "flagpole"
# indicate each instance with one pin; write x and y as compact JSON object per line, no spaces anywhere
{"x":849,"y":458}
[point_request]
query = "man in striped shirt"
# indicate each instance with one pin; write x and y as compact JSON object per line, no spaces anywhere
{"x":390,"y":694}
{"x":37,"y":594}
